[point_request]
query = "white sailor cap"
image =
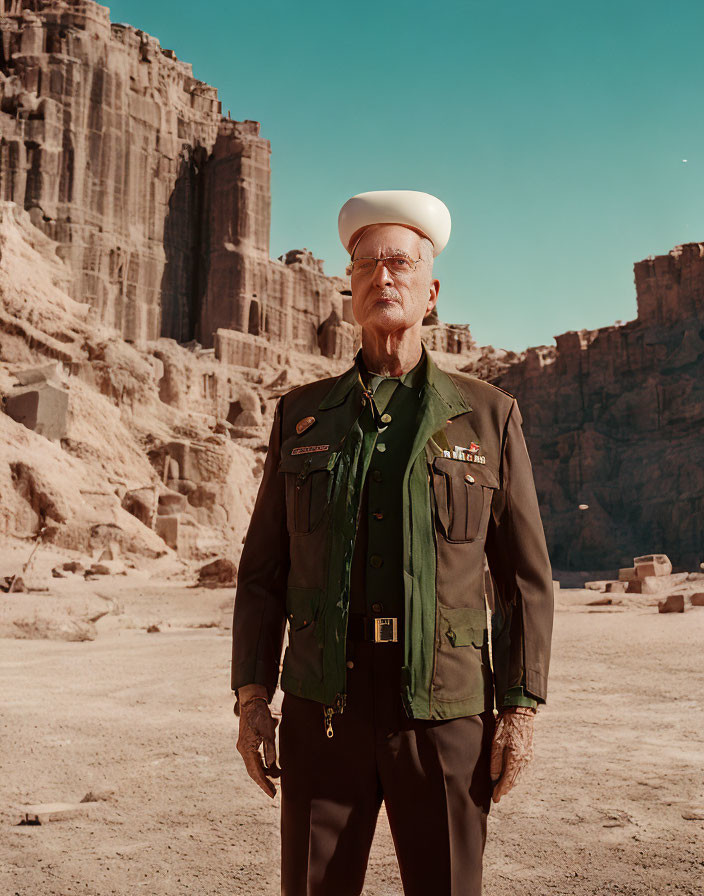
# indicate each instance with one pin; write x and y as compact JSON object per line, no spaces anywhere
{"x":420,"y":211}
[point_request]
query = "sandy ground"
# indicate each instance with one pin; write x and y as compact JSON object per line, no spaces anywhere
{"x":613,"y":802}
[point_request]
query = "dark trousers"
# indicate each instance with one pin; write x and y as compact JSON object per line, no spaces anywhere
{"x":433,"y":777}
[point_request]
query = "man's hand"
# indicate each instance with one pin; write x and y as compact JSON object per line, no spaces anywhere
{"x":257,"y":726}
{"x":512,"y":748}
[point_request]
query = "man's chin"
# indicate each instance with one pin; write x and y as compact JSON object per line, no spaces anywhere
{"x":384,"y":306}
{"x":388,"y":313}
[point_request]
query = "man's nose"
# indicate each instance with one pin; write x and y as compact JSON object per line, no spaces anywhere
{"x":381,"y":277}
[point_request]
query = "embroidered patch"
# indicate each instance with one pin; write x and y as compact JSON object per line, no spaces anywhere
{"x":307,"y":449}
{"x":304,"y":424}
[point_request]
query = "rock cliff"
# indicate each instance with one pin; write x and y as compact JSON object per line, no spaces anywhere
{"x":134,"y":254}
{"x":160,"y":206}
{"x":614,"y":419}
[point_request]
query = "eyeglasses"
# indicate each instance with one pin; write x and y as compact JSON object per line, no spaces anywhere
{"x":396,"y":264}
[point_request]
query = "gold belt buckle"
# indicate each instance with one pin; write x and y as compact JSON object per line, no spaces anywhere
{"x":385,"y":629}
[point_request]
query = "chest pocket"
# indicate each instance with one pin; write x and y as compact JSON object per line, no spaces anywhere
{"x":309,"y":481}
{"x":463,"y":493}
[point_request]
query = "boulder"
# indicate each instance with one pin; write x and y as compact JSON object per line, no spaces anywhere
{"x":220,"y":573}
{"x":673,"y":603}
{"x":72,"y":566}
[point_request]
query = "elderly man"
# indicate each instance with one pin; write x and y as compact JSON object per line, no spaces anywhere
{"x":397,"y":532}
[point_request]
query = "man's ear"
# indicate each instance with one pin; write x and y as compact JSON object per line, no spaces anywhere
{"x":432,"y":296}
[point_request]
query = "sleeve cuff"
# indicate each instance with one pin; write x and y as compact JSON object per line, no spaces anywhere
{"x":517,"y":697}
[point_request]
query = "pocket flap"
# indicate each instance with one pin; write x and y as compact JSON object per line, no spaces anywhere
{"x":307,"y":462}
{"x":481,"y":474}
{"x":302,"y":605}
{"x":464,"y":626}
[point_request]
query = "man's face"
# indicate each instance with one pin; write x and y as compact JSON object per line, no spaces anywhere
{"x":386,"y":301}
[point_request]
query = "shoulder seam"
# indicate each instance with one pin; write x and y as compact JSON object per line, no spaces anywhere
{"x":463,"y":380}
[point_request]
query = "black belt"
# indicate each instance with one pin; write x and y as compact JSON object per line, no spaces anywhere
{"x":379,"y":629}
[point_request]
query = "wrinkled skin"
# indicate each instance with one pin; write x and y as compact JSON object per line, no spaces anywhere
{"x":511,"y":749}
{"x":257,"y":727}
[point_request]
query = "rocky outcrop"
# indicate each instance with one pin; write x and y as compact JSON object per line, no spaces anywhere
{"x":134,"y":253}
{"x":103,"y":131}
{"x":160,"y":206}
{"x":614,"y":418}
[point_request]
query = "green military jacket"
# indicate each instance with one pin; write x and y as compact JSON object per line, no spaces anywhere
{"x":458,"y":508}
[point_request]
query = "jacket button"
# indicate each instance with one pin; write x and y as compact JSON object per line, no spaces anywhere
{"x":381,"y":448}
{"x":469,"y":477}
{"x":376,"y":475}
{"x":350,"y":664}
{"x":386,"y":418}
{"x":376,"y":560}
{"x":377,"y":608}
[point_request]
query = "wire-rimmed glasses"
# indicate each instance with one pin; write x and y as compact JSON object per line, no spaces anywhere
{"x":395,"y":264}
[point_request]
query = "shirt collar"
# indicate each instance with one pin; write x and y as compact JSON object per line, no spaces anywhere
{"x":413,"y":378}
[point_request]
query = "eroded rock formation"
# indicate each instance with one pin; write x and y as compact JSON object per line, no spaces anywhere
{"x":134,"y":252}
{"x":159,"y":204}
{"x":614,"y":420}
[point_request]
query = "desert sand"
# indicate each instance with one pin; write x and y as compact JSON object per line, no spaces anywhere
{"x":613,"y":802}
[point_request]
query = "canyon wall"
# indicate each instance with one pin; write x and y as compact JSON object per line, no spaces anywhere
{"x":160,"y":206}
{"x":614,"y":419}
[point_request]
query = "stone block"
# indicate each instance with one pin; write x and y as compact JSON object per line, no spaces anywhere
{"x":635,"y":586}
{"x":597,"y":585}
{"x":627,"y":574}
{"x":42,"y":408}
{"x":179,"y":532}
{"x":612,"y":587}
{"x":673,"y":603}
{"x":42,"y":813}
{"x":697,"y":599}
{"x":167,"y":528}
{"x":652,"y":565}
{"x":140,"y":503}
{"x":171,"y":503}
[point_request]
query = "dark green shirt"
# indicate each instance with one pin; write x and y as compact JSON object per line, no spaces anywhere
{"x":376,"y":579}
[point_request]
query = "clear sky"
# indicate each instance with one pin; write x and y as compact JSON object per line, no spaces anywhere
{"x":554,"y":131}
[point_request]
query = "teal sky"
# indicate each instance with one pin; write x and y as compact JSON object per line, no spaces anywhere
{"x":555,"y":133}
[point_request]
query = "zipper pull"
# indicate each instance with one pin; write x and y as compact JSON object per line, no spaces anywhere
{"x":338,"y":705}
{"x":327,"y":713}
